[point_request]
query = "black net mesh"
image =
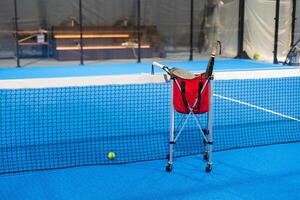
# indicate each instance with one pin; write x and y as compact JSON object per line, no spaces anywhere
{"x":46,"y":128}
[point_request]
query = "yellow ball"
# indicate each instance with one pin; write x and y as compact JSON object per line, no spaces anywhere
{"x":256,"y":56}
{"x":111,"y":155}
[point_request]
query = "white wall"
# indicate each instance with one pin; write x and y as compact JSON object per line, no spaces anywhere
{"x":260,"y":28}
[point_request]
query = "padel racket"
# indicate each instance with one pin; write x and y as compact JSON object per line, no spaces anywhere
{"x":211,"y":62}
{"x":175,"y":72}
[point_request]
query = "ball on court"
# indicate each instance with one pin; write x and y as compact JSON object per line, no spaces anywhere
{"x":256,"y":56}
{"x":111,"y":155}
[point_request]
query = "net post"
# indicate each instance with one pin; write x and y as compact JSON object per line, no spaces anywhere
{"x":81,"y":29}
{"x":241,"y":53}
{"x":191,"y":29}
{"x":139,"y":30}
{"x":275,"y":59}
{"x":17,"y":30}
{"x":293,"y":21}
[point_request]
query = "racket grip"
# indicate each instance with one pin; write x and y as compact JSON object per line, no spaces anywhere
{"x":210,"y":66}
{"x":156,"y":64}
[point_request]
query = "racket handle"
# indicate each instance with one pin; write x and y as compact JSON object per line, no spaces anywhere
{"x":210,"y":66}
{"x":211,"y":62}
{"x":156,"y":64}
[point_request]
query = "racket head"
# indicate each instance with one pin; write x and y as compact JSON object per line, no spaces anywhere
{"x":181,"y":73}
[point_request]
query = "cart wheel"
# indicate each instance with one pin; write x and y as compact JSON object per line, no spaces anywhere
{"x":205,"y":155}
{"x":169,"y":167}
{"x":208,"y":168}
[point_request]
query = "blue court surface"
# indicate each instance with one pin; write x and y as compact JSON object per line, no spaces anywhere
{"x":255,"y":138}
{"x":271,"y":172}
{"x":117,"y":69}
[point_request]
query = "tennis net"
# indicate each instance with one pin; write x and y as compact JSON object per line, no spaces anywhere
{"x":65,"y":122}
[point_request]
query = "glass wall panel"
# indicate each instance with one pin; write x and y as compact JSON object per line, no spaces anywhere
{"x":297,"y":22}
{"x":111,"y":31}
{"x":7,"y":35}
{"x":49,"y":31}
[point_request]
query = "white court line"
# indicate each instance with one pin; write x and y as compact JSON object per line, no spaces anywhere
{"x":257,"y":107}
{"x":135,"y":79}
